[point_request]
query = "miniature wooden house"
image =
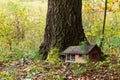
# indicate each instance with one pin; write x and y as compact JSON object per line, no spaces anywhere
{"x":74,"y":54}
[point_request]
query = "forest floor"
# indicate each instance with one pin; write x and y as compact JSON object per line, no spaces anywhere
{"x":27,"y":69}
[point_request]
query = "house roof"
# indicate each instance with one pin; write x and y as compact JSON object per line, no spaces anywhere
{"x":77,"y":50}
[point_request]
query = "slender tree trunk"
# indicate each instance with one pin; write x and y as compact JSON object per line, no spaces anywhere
{"x":103,"y":28}
{"x":63,"y":25}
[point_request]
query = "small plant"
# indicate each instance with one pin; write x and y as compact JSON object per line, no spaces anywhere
{"x":78,"y":70}
{"x":54,"y":56}
{"x":83,"y":46}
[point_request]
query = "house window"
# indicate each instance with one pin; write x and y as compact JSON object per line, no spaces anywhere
{"x":70,"y":57}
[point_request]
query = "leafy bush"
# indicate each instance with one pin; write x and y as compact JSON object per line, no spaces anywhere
{"x":54,"y":56}
{"x":115,"y":41}
{"x":78,"y":70}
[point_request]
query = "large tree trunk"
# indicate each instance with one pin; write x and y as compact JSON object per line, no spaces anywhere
{"x":63,"y":25}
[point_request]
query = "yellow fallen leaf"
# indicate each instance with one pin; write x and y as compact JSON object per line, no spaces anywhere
{"x":5,"y":63}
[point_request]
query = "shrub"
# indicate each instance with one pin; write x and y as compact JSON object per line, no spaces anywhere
{"x":54,"y":56}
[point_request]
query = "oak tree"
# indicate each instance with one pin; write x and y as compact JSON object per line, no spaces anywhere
{"x":63,"y":25}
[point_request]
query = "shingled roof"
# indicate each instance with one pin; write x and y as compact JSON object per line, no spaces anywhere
{"x":77,"y":50}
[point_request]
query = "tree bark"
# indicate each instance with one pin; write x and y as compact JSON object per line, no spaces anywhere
{"x":63,"y":25}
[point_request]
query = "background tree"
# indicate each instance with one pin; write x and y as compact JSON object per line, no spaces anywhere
{"x":63,"y":26}
{"x":103,"y":28}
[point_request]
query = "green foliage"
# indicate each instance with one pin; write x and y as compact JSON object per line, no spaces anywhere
{"x":83,"y":47}
{"x":21,"y":29}
{"x":7,"y":76}
{"x":54,"y":56}
{"x":115,"y":41}
{"x":78,"y":70}
{"x":93,"y":24}
{"x":53,"y":76}
{"x":111,"y":1}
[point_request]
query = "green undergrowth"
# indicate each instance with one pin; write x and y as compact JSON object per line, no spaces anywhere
{"x":19,"y":54}
{"x":54,"y":56}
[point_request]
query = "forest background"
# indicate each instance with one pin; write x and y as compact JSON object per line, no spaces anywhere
{"x":22,"y":24}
